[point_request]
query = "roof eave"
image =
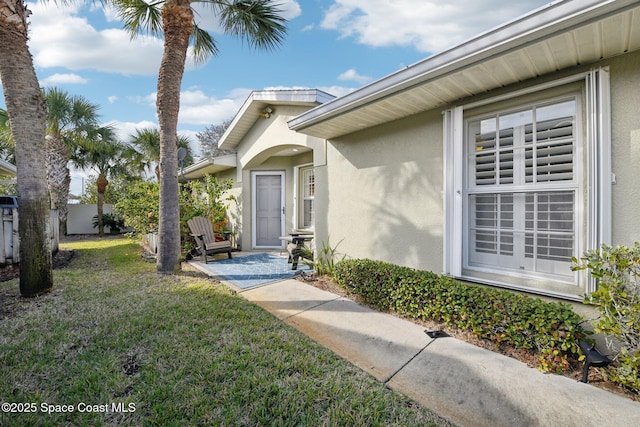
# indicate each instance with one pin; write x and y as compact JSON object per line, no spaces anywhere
{"x":537,"y":25}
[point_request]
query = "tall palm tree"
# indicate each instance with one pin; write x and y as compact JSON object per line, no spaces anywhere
{"x":102,"y":151}
{"x":26,"y":107}
{"x":255,"y":21}
{"x":67,"y":117}
{"x":144,"y":154}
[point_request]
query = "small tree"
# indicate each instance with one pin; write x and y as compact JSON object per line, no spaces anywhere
{"x":210,"y":138}
{"x":100,"y":150}
{"x":138,"y":206}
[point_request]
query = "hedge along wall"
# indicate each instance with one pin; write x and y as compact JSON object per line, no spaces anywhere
{"x":552,"y":329}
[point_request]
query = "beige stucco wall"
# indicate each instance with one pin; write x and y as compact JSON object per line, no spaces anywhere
{"x":385,"y":184}
{"x":384,"y":196}
{"x":625,"y":141}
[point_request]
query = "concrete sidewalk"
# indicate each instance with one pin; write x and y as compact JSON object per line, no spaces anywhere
{"x":468,"y":385}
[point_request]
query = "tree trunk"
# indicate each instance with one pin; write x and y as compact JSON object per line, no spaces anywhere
{"x":101,"y":184}
{"x":26,"y":108}
{"x":58,"y":176}
{"x":177,"y":20}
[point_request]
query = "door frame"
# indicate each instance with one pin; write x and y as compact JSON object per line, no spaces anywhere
{"x":254,"y":222}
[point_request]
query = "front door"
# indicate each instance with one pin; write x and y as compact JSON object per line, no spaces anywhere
{"x":268,"y":209}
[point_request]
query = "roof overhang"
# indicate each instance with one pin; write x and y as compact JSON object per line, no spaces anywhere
{"x":209,"y":166}
{"x":558,"y":36}
{"x":258,"y":101}
{"x":7,"y":169}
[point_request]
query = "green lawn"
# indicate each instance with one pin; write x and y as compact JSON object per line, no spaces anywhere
{"x":122,"y":345}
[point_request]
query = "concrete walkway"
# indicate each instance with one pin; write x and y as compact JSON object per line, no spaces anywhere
{"x":468,"y":385}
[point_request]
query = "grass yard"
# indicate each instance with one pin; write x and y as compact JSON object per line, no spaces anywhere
{"x":116,"y":343}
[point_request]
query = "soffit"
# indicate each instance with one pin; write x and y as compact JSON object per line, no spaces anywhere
{"x":560,"y":36}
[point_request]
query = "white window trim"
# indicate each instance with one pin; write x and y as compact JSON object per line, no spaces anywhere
{"x":296,"y":196}
{"x":599,"y":173}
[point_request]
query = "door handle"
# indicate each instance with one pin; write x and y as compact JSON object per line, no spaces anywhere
{"x":283,"y":210}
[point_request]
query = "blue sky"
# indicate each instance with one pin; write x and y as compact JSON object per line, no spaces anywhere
{"x":333,"y":45}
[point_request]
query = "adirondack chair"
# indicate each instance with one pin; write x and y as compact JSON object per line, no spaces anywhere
{"x":202,"y":230}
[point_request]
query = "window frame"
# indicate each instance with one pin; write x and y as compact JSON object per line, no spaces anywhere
{"x":299,"y":197}
{"x":519,"y":187}
{"x":595,"y":209}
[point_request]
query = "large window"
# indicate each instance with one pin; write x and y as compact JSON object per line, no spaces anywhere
{"x":521,"y":190}
{"x":528,"y":184}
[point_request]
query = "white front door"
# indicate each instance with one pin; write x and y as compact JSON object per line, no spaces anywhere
{"x":268,"y":209}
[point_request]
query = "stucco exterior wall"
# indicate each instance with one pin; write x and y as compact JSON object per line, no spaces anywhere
{"x":384,"y":197}
{"x":80,"y":218}
{"x":625,"y":141}
{"x":385,"y":184}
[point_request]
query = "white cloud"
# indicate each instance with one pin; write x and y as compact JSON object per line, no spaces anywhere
{"x":197,"y":108}
{"x":66,"y":78}
{"x":112,"y":99}
{"x":59,"y":37}
{"x":352,"y":75}
{"x":124,"y":130}
{"x":429,"y":26}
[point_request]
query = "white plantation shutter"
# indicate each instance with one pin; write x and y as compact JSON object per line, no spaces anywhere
{"x":521,"y":190}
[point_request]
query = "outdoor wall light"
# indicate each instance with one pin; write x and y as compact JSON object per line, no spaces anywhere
{"x":266,"y":113}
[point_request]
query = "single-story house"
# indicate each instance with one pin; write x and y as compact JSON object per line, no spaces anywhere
{"x":495,"y":161}
{"x":273,"y":168}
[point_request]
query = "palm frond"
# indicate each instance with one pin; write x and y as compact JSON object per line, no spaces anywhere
{"x":257,"y":22}
{"x":139,"y":17}
{"x":204,"y":46}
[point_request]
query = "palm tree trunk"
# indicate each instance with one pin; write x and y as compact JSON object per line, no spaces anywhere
{"x":177,"y":20}
{"x":101,"y":184}
{"x":58,"y":177}
{"x":26,"y":107}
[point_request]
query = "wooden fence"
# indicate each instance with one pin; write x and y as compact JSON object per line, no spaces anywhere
{"x":10,"y":238}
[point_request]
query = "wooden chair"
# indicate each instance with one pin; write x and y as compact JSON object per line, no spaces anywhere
{"x":202,"y":230}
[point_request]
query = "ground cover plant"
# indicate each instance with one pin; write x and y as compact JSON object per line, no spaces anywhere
{"x":552,"y":330}
{"x":120,"y":344}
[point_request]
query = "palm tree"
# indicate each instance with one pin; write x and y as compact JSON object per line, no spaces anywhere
{"x":26,"y":108}
{"x":100,"y":150}
{"x":67,"y":117}
{"x":256,"y":21}
{"x":144,"y":154}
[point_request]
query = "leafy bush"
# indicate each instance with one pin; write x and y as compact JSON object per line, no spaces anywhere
{"x":140,"y":204}
{"x":551,"y":329}
{"x":618,"y":300}
{"x":114,"y":222}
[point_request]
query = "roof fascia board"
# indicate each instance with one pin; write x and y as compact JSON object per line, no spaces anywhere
{"x":8,"y":168}
{"x":539,"y":24}
{"x":226,"y":160}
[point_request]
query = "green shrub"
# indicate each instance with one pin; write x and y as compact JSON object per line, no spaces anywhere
{"x":325,"y":259}
{"x":551,"y":329}
{"x":618,"y":300}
